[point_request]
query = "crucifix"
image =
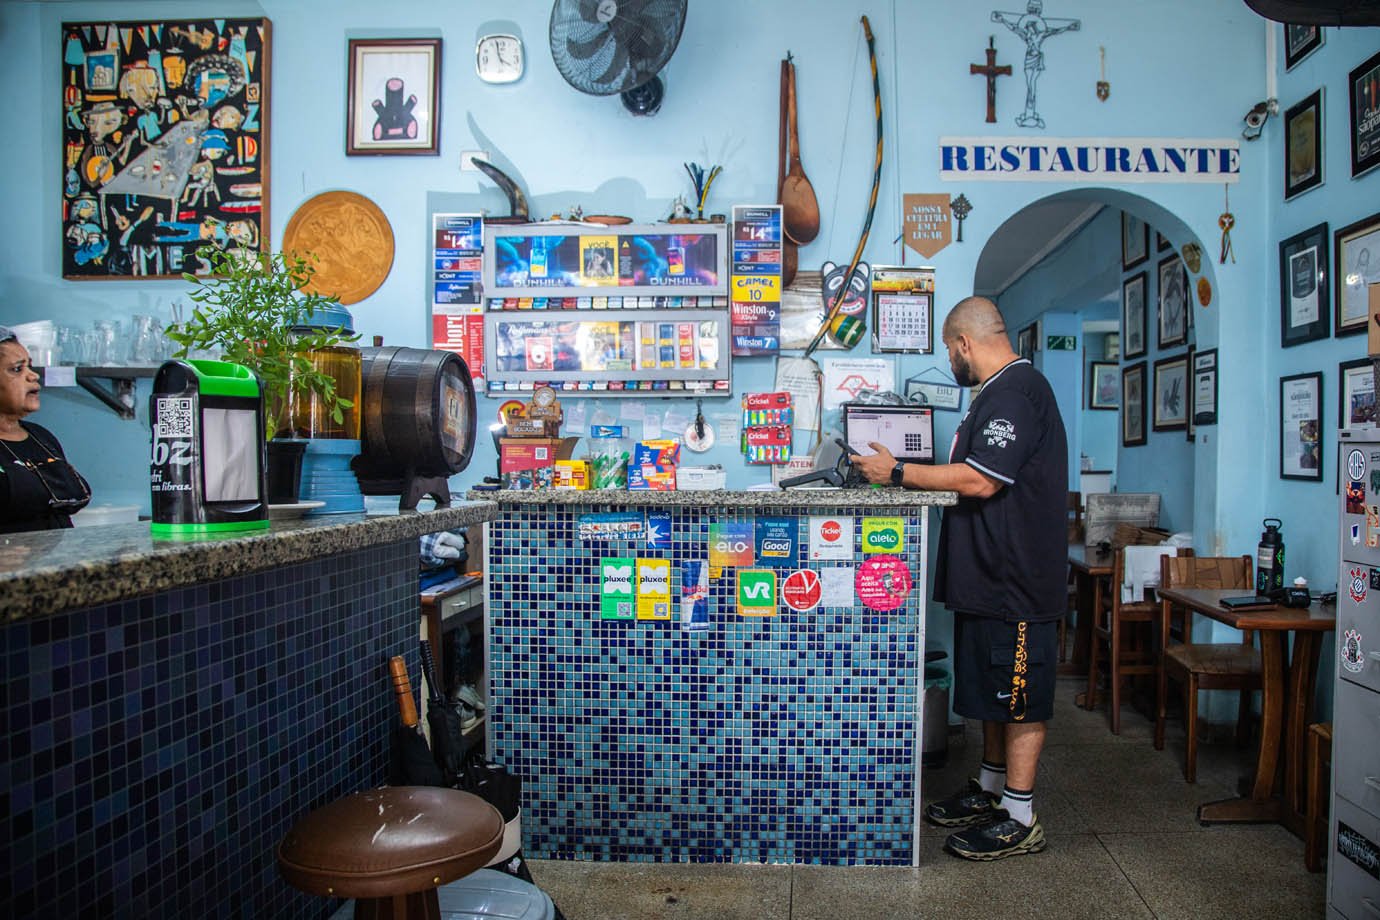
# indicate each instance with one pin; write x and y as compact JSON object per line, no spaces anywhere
{"x":991,"y":71}
{"x":1033,"y":28}
{"x":960,"y":207}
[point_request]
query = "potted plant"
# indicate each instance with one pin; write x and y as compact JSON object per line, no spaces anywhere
{"x":253,"y":309}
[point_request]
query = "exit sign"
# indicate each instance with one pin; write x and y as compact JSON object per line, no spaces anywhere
{"x":1061,"y":343}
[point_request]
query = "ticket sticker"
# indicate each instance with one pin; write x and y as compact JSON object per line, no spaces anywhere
{"x":831,"y":538}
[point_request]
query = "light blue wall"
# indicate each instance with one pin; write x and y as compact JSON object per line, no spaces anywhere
{"x":1100,"y":433}
{"x":721,"y":107}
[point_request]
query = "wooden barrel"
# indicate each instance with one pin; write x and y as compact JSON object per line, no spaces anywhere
{"x":418,"y":417}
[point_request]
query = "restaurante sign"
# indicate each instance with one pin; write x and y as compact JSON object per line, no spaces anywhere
{"x":1089,"y":159}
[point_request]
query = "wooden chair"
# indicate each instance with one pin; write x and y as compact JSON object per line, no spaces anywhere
{"x":1315,"y":826}
{"x":1219,"y":666}
{"x":1075,"y":535}
{"x":1129,"y":650}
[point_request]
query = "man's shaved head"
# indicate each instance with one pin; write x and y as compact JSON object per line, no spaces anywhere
{"x":976,"y":317}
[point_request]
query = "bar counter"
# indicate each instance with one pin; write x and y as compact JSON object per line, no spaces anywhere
{"x":788,"y":737}
{"x":170,"y":708}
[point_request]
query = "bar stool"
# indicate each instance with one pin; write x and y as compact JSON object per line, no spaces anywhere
{"x":390,"y":848}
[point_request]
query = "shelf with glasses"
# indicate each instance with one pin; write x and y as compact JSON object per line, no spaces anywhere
{"x":117,"y":392}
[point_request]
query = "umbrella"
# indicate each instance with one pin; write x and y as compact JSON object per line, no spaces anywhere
{"x":411,"y":760}
{"x":444,"y":719}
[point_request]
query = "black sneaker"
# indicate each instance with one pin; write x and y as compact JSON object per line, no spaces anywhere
{"x":973,"y":805}
{"x":998,"y":840}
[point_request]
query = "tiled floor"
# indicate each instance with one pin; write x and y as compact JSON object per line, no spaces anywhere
{"x":1123,"y":842}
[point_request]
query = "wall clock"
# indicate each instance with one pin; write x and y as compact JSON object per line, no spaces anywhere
{"x":499,"y":59}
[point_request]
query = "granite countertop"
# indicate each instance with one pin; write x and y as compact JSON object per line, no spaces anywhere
{"x":803,"y":499}
{"x":55,"y":570}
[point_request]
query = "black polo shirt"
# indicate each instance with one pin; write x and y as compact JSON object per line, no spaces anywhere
{"x":1007,"y":555}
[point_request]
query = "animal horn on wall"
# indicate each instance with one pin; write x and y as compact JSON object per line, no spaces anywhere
{"x":517,"y":202}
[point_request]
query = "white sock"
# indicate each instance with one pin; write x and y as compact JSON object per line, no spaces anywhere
{"x":992,"y":777}
{"x":1019,"y":804}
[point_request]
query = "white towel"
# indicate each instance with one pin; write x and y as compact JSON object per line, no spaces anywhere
{"x":1141,"y":570}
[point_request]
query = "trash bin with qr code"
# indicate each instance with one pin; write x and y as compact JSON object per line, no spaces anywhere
{"x":206,"y":470}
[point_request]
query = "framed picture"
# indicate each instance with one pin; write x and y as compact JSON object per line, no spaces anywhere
{"x":1135,"y":241}
{"x":1161,"y":242}
{"x":1363,"y":87}
{"x":1304,"y":311}
{"x":938,"y":395}
{"x":1104,"y":387}
{"x":1133,"y":316}
{"x":1026,"y":339}
{"x":1171,"y":394}
{"x":1133,"y":405}
{"x":1299,"y":42}
{"x":1357,"y":249}
{"x":1172,"y":306}
{"x":394,"y":99}
{"x":164,"y":147}
{"x":1191,"y":424}
{"x":1303,"y":146}
{"x":1300,"y":427}
{"x":1205,"y":387}
{"x":1356,"y":394}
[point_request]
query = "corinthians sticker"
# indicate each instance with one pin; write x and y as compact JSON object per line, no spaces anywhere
{"x":1353,"y":658}
{"x":1359,"y":583}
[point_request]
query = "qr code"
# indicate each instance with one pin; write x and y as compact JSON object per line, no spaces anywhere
{"x":625,"y":609}
{"x":174,"y":418}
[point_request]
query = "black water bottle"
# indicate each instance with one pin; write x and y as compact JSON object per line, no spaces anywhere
{"x":1269,"y":558}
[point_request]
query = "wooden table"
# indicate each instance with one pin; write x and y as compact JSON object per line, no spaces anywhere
{"x":1091,"y":570}
{"x":1288,"y":682}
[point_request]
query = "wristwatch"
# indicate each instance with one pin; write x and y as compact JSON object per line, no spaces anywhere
{"x":898,"y":473}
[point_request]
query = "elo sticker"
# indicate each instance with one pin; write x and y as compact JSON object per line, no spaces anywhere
{"x":883,"y":582}
{"x":1353,"y":657}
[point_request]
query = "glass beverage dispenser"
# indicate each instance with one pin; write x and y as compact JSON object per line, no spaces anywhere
{"x":310,"y":417}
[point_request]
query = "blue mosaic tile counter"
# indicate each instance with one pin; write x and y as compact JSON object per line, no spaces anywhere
{"x":154,"y":749}
{"x":788,"y":738}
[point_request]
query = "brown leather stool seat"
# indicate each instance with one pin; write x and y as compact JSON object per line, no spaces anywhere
{"x":390,"y":848}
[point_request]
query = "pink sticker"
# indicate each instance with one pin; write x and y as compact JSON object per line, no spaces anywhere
{"x":883,"y":582}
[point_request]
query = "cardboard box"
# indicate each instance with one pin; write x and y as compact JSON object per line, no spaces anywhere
{"x":651,"y":477}
{"x":700,"y":478}
{"x":529,"y":463}
{"x":572,"y":474}
{"x":661,"y":452}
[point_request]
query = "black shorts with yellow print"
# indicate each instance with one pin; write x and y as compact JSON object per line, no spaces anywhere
{"x":1004,"y":670}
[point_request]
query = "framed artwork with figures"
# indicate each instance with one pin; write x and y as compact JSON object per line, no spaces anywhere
{"x":1135,"y":241}
{"x":1172,"y":302}
{"x":1171,"y":394}
{"x":1357,"y":253}
{"x":1304,"y":311}
{"x":1133,"y":405}
{"x":1301,"y":427}
{"x":393,"y":100}
{"x":165,"y":130}
{"x":1133,"y":316}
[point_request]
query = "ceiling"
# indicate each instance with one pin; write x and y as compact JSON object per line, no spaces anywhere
{"x":1026,"y":238}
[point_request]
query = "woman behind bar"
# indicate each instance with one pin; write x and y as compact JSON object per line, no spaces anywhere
{"x":39,"y":489}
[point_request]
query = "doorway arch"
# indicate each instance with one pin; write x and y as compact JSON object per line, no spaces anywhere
{"x":1163,"y":464}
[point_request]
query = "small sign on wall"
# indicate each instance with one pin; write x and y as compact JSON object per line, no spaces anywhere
{"x":926,"y":222}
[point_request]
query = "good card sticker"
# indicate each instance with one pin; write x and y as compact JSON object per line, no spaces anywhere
{"x":616,"y":600}
{"x":654,"y":589}
{"x":776,"y":541}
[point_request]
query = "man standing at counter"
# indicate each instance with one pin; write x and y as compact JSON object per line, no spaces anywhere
{"x":1002,"y":571}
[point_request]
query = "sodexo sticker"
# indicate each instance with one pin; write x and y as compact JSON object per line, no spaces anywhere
{"x":883,"y":534}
